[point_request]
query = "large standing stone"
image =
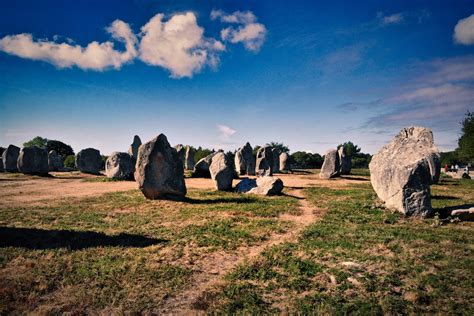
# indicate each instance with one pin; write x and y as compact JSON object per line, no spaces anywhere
{"x":284,"y":165}
{"x":10,"y":158}
{"x":55,"y":161}
{"x":189,"y":158}
{"x":276,"y":160}
{"x":201,"y":168}
{"x":266,"y":185}
{"x":401,"y":172}
{"x":244,"y":160}
{"x":264,"y":161}
{"x":89,"y":161}
{"x":344,"y":160}
{"x":33,"y":160}
{"x":159,"y":170}
{"x":331,"y":165}
{"x":2,"y":169}
{"x":221,"y":172}
{"x":120,"y":166}
{"x":134,"y":147}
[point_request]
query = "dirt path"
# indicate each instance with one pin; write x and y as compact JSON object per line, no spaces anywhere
{"x":212,"y":269}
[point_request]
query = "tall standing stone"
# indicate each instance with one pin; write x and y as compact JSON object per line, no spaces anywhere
{"x":401,"y":172}
{"x":10,"y":158}
{"x":134,"y":147}
{"x":434,"y":161}
{"x":284,"y":165}
{"x":244,"y":160}
{"x":221,"y":172}
{"x":33,"y":160}
{"x":264,"y":161}
{"x":276,"y":160}
{"x":55,"y":161}
{"x":89,"y":161}
{"x":2,"y":169}
{"x":345,"y":161}
{"x":331,"y":165}
{"x":159,"y":170}
{"x":120,"y":166}
{"x":181,"y":150}
{"x":189,"y":158}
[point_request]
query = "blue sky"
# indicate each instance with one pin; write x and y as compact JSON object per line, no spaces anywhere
{"x":311,"y":74}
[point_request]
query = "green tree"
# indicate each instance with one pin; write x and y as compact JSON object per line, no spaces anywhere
{"x":282,"y":147}
{"x":466,"y":141}
{"x":201,"y":153}
{"x":70,"y":162}
{"x":350,"y":148}
{"x":304,"y":160}
{"x":61,"y":148}
{"x":37,"y":141}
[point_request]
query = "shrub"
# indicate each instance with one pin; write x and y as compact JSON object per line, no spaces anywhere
{"x":70,"y":162}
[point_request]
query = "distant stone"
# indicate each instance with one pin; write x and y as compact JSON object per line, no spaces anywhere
{"x":89,"y":161}
{"x":2,"y":169}
{"x":201,"y":168}
{"x":331,"y":165}
{"x":345,"y":161}
{"x":120,"y":166}
{"x":181,"y":150}
{"x":465,"y":176}
{"x":244,"y":160}
{"x":284,"y":165}
{"x":221,"y":172}
{"x":434,"y":162}
{"x":464,"y":214}
{"x":159,"y":170}
{"x":401,"y":172}
{"x":264,"y":161}
{"x":55,"y":161}
{"x":189,"y":158}
{"x":276,"y":160}
{"x":10,"y":158}
{"x":33,"y":160}
{"x":134,"y":147}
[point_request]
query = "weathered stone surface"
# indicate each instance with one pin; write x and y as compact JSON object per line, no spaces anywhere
{"x":276,"y":160}
{"x":134,"y":147}
{"x":55,"y":161}
{"x":266,"y":185}
{"x":10,"y":158}
{"x":159,"y":170}
{"x":331,"y":165}
{"x":89,"y":161}
{"x":284,"y":165}
{"x":189,"y":158}
{"x":2,"y":169}
{"x":221,"y":172}
{"x":181,"y":150}
{"x":344,"y":161}
{"x":400,"y":172}
{"x":120,"y":166}
{"x":264,"y":162}
{"x":244,"y":160}
{"x":33,"y":160}
{"x":466,"y":214}
{"x":201,"y":168}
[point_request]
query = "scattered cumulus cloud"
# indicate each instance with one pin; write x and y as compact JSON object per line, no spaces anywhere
{"x":395,"y":18}
{"x":225,"y":132}
{"x":402,"y":17}
{"x":176,"y":44}
{"x":464,"y":31}
{"x":248,"y":32}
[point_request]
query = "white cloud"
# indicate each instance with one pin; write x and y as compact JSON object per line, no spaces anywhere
{"x":464,"y":31}
{"x":178,"y":45}
{"x":95,"y":56}
{"x":225,"y":132}
{"x":249,"y":32}
{"x":395,"y":18}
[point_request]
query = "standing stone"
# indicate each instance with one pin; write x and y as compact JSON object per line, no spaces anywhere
{"x":10,"y":158}
{"x":134,"y":147}
{"x":284,"y":166}
{"x":89,"y":161}
{"x":264,"y":161}
{"x":401,"y":172}
{"x":33,"y":160}
{"x":344,"y":160}
{"x":266,"y":185}
{"x":221,"y":172}
{"x":55,"y":161}
{"x":201,"y":168}
{"x":276,"y":160}
{"x":2,"y":169}
{"x":434,"y":161}
{"x":181,"y":150}
{"x":331,"y":166}
{"x":244,"y":160}
{"x":159,"y":170}
{"x":189,"y":158}
{"x":120,"y":166}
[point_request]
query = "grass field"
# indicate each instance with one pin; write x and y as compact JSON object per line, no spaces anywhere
{"x":119,"y":252}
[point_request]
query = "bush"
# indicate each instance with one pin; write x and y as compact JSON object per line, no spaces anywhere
{"x":70,"y":162}
{"x":304,"y":160}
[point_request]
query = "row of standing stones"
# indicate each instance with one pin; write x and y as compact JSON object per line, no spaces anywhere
{"x":401,"y":172}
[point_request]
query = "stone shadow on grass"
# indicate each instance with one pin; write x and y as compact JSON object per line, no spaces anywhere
{"x":33,"y":238}
{"x":245,"y":200}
